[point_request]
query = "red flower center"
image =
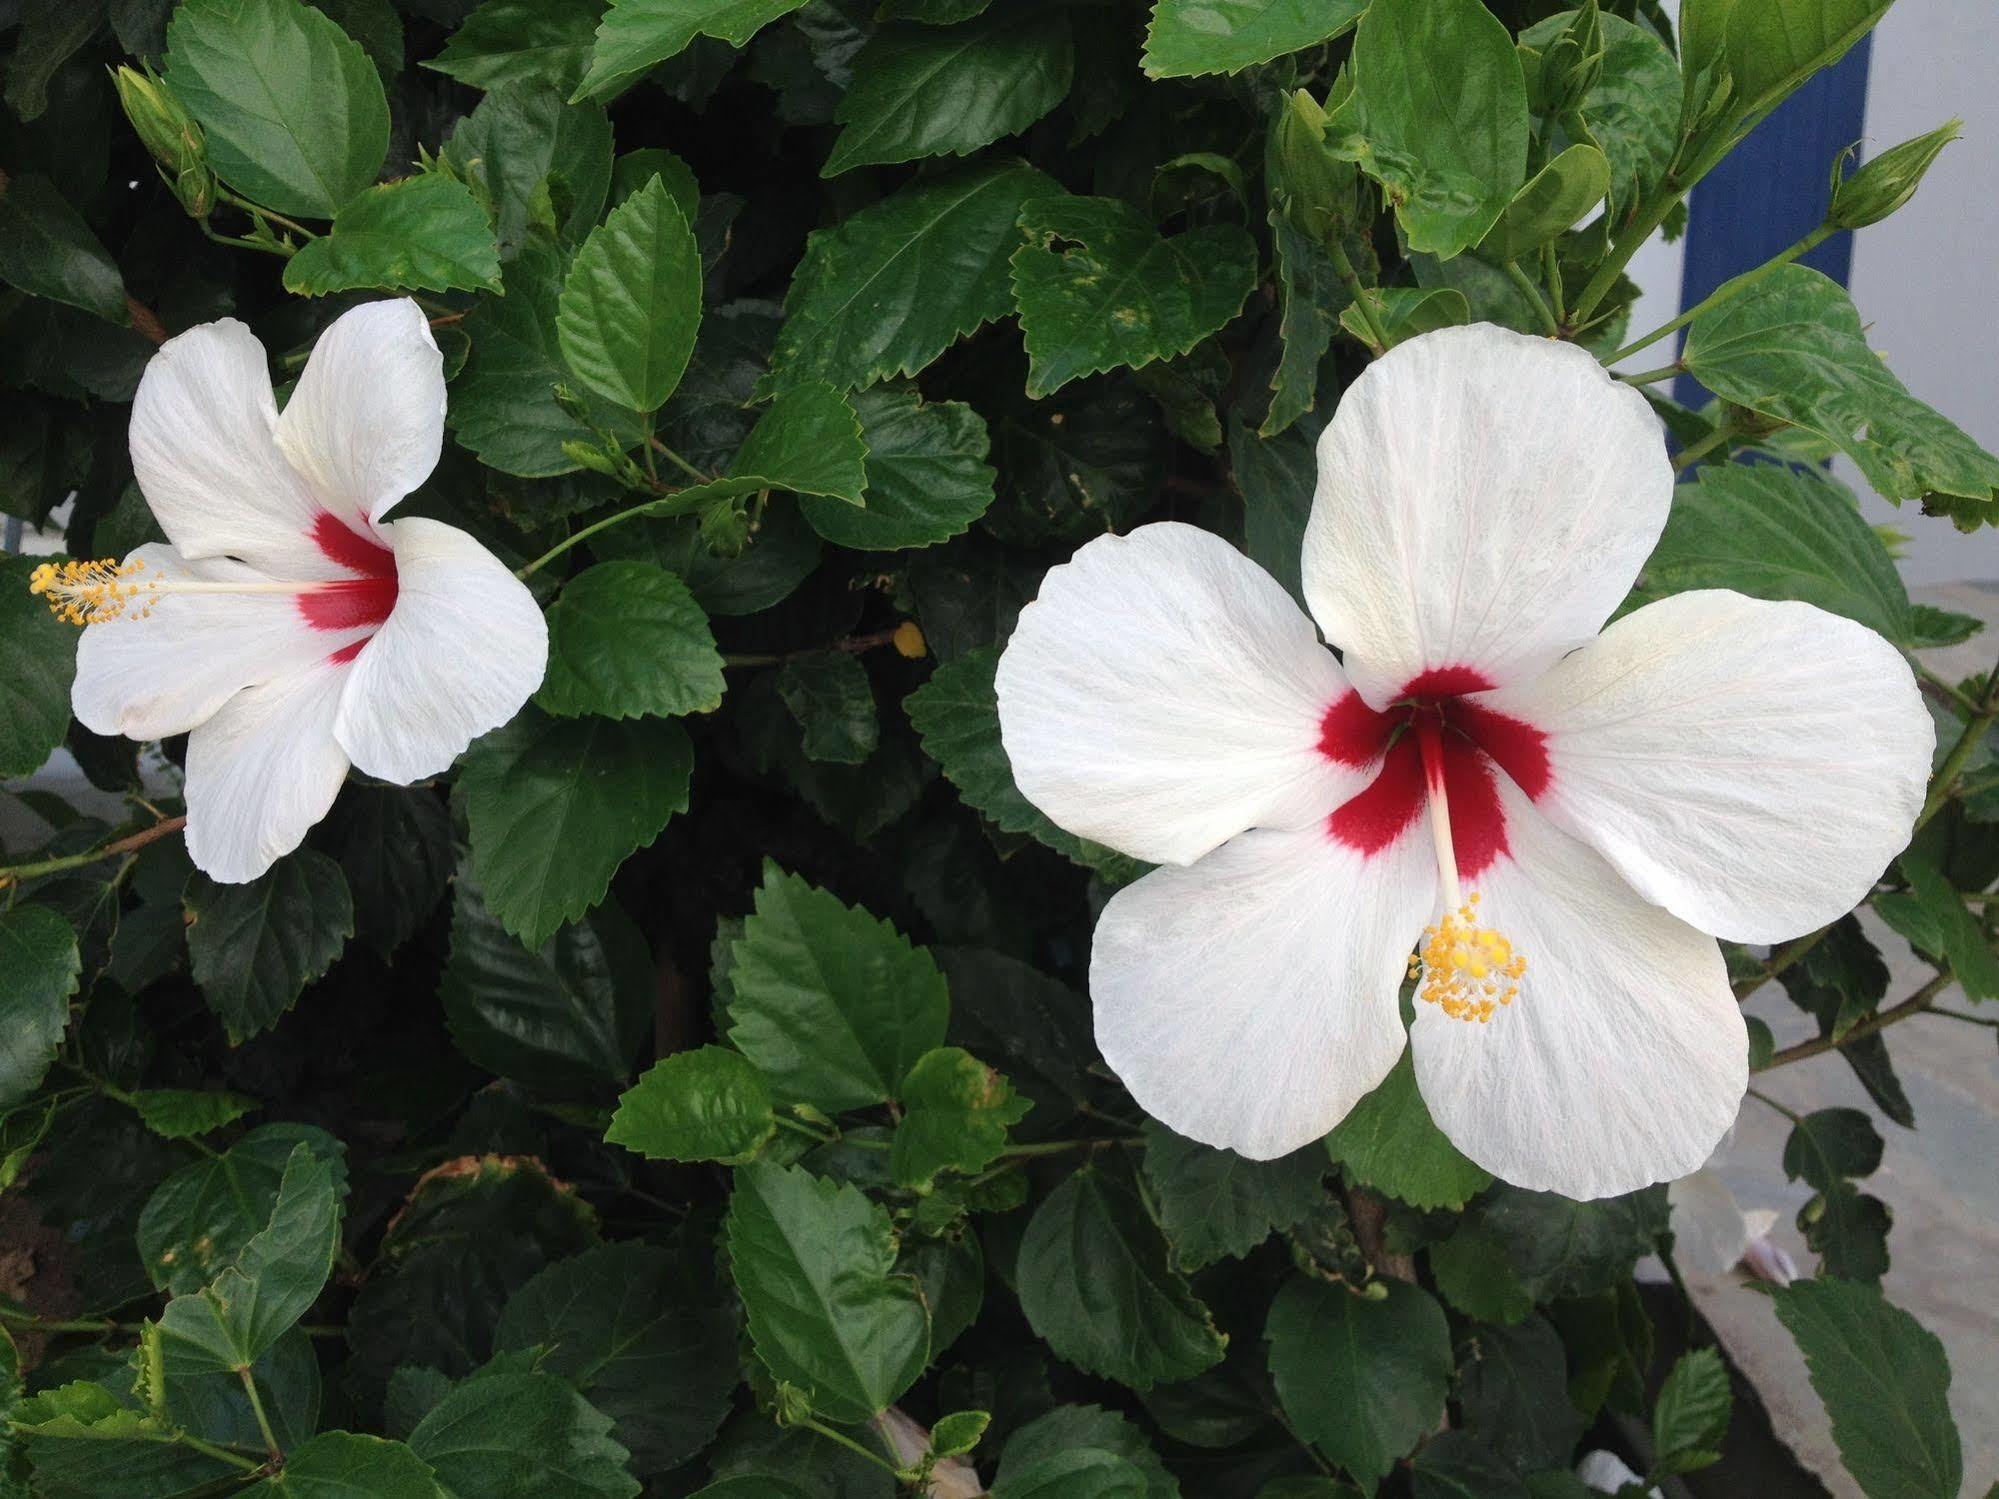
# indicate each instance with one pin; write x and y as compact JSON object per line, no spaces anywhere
{"x":362,"y":601}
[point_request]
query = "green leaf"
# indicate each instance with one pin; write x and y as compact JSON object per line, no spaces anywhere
{"x":1443,"y":109}
{"x":1772,"y":47}
{"x":636,"y":34}
{"x":1363,"y":1379}
{"x":347,"y":1465}
{"x":635,"y":169}
{"x":644,"y":1335}
{"x":1098,"y":288}
{"x":1406,"y":311}
{"x":512,"y":1435}
{"x":946,"y":91}
{"x":1791,"y":346}
{"x":957,"y":1113}
{"x":1084,"y":462}
{"x":503,"y":404}
{"x":813,"y":1262}
{"x":1839,"y":981}
{"x":423,"y":233}
{"x":522,"y":41}
{"x":1275,"y":477}
{"x":1514,"y":1248}
{"x":277,"y":1276}
{"x":896,"y":284}
{"x":1086,"y":1473}
{"x":831,"y":1004}
{"x":38,"y":954}
{"x":534,"y":160}
{"x":83,"y":1443}
{"x":181,"y":1113}
{"x":957,"y":715}
{"x":1073,"y":1428}
{"x":958,"y":1433}
{"x":1314,"y":296}
{"x":1387,"y":1141}
{"x":1632,"y":111}
{"x":394,"y":846}
{"x":36,"y":669}
{"x":199,"y":1219}
{"x":47,"y":250}
{"x":255,"y":947}
{"x":1191,"y":37}
{"x":830,"y":699}
{"x":1933,"y":917}
{"x":1554,"y":200}
{"x":1885,"y":1382}
{"x":1096,"y":1285}
{"x":626,"y":639}
{"x":709,"y":1104}
{"x":291,"y":109}
{"x":1215,"y":1204}
{"x":1779,"y":533}
{"x":1690,"y":1415}
{"x":927,"y":475}
{"x":809,"y":441}
{"x":631,"y":303}
{"x":1458,"y":1465}
{"x":570,"y":1016}
{"x":1514,"y":1395}
{"x":555,"y":805}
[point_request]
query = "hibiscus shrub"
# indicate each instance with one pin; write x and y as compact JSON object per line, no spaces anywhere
{"x":595,"y":1007}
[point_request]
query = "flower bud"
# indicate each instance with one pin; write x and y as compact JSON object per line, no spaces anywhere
{"x":1570,"y":67}
{"x":1313,"y":187}
{"x":170,"y":133}
{"x":1887,"y":182}
{"x":1767,"y":1261}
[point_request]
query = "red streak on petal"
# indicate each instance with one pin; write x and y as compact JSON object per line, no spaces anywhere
{"x":1520,"y":749}
{"x":350,"y":549}
{"x":1478,"y":822}
{"x":1444,"y":681}
{"x":360,"y":602}
{"x":346,"y":653}
{"x":1391,"y":802}
{"x":1353,"y":733}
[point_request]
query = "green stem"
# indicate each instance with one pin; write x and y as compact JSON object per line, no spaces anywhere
{"x":49,"y":1324}
{"x":1945,"y":782}
{"x":257,"y":1410}
{"x":1728,"y":290}
{"x":1653,"y":377}
{"x":1525,"y":283}
{"x":1765,"y":1099}
{"x":1782,"y":959}
{"x":1960,"y":1015}
{"x":666,"y":505}
{"x":1056,"y":1147}
{"x":852,"y":1446}
{"x":1724,"y":433}
{"x":1338,"y":254}
{"x":220,"y":1454}
{"x":1551,"y":273}
{"x":258,"y":210}
{"x":15,"y":873}
{"x":1946,"y":691}
{"x":799,"y":1126}
{"x":1880,"y":1020}
{"x":1677,"y":184}
{"x":678,"y":462}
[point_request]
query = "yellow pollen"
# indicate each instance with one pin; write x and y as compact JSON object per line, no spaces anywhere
{"x":1468,"y":971}
{"x":88,"y":593}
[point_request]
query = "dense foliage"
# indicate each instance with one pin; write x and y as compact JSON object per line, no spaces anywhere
{"x":702,"y":1069}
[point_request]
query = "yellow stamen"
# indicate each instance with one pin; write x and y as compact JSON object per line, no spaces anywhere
{"x":1468,"y":970}
{"x":87,"y":593}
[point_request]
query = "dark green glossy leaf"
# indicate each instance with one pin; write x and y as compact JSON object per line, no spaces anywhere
{"x":39,"y":956}
{"x":1514,"y":1395}
{"x":631,"y":302}
{"x":1934,"y":919}
{"x":522,"y":41}
{"x":36,"y":669}
{"x":1388,"y":1141}
{"x":522,"y":1436}
{"x":957,"y":1113}
{"x":47,"y":250}
{"x":833,"y":705}
{"x":627,"y":639}
{"x":424,"y":233}
{"x":1076,"y":1428}
{"x":927,"y":475}
{"x":709,"y":1104}
{"x":348,"y":1465}
{"x":636,"y":34}
{"x":1189,"y":37}
{"x":1690,"y":1415}
{"x":199,"y":1219}
{"x":179,"y":1113}
{"x":1215,"y":1204}
{"x":255,"y":947}
{"x":533,"y":159}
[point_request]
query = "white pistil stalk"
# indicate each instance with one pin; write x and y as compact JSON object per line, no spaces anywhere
{"x":88,"y":593}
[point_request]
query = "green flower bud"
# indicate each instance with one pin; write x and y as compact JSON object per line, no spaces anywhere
{"x":1311,"y":186}
{"x":1570,"y":67}
{"x":170,"y":133}
{"x":1887,"y":182}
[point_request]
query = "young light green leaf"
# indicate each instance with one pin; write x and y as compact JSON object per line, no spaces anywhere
{"x":255,"y":947}
{"x":636,"y":34}
{"x":291,"y":108}
{"x":831,"y":1004}
{"x":631,"y":303}
{"x":1215,"y":1203}
{"x":1791,"y":346}
{"x":569,"y":1016}
{"x":1190,"y":37}
{"x":1098,"y":288}
{"x":946,"y":91}
{"x":626,"y":639}
{"x":84,"y":1443}
{"x":557,"y":804}
{"x":1554,"y":199}
{"x":36,"y":669}
{"x":709,"y":1104}
{"x":1690,"y":1415}
{"x":38,"y":953}
{"x":1886,"y":1384}
{"x":927,"y":475}
{"x":1406,"y":311}
{"x":182,"y":1113}
{"x":522,"y":41}
{"x":1096,"y":1286}
{"x":47,"y":250}
{"x":833,"y":704}
{"x":957,"y":1111}
{"x":958,"y":1433}
{"x":1443,"y":111}
{"x":1387,"y":1141}
{"x":524,"y":151}
{"x":1363,"y":1379}
{"x":894,"y":285}
{"x":522,"y":1435}
{"x":814,"y":1264}
{"x":423,"y":233}
{"x":646,"y":1337}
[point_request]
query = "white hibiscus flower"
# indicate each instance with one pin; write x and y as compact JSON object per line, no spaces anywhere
{"x":285,"y":627}
{"x":1710,"y":765}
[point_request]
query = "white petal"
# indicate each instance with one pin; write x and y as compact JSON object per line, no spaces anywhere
{"x":207,"y":460}
{"x":1249,"y":1000}
{"x":261,"y":772}
{"x":464,"y":648}
{"x":1485,"y":500}
{"x":366,"y":423}
{"x":1606,"y":1473}
{"x":1624,"y":1059}
{"x":1750,"y":766}
{"x":146,"y":678}
{"x":1710,"y":1231}
{"x":1163,"y":693}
